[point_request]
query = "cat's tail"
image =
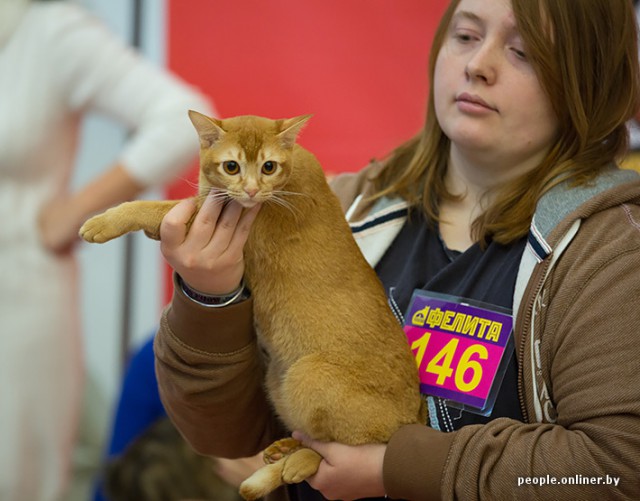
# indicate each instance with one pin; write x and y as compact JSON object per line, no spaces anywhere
{"x":291,"y":469}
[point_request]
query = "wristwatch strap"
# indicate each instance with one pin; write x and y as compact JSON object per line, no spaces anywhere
{"x":213,"y":300}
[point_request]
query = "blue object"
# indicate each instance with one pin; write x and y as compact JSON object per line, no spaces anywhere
{"x":138,"y":406}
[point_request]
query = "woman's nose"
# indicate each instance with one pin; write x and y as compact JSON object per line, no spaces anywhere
{"x":482,"y":64}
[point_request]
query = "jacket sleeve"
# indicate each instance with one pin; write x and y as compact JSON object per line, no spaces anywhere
{"x":589,"y":347}
{"x":210,"y":377}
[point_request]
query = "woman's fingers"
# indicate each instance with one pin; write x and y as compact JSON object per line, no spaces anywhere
{"x":225,"y":228}
{"x":205,"y":222}
{"x":242,"y":229}
{"x":173,"y":228}
{"x":208,"y":256}
{"x":216,"y":225}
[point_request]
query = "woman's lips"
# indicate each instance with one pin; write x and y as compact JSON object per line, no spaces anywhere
{"x":471,"y":103}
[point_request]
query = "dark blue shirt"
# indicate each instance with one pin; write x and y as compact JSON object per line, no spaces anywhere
{"x":418,"y":259}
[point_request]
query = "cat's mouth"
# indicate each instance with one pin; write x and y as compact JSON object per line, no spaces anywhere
{"x":248,"y":203}
{"x":249,"y":200}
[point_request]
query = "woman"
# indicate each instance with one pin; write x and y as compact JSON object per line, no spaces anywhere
{"x":56,"y":63}
{"x":515,"y":201}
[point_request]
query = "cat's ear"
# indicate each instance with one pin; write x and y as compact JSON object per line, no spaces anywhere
{"x":209,"y":130}
{"x":290,"y":130}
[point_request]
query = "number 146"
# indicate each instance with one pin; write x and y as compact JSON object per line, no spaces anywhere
{"x":440,"y":364}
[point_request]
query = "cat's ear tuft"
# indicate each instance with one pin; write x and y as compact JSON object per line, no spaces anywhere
{"x":290,"y":130}
{"x":209,"y":129}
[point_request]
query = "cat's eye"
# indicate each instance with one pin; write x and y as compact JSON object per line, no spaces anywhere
{"x":231,"y":167}
{"x":269,"y":167}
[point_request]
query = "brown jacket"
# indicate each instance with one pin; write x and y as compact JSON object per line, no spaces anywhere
{"x":578,"y":345}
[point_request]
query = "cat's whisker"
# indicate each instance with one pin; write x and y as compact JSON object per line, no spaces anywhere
{"x":295,"y":211}
{"x":279,"y":194}
{"x":188,"y":182}
{"x":283,"y":192}
{"x":215,"y":194}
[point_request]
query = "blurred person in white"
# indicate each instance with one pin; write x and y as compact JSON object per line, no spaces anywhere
{"x":57,"y":62}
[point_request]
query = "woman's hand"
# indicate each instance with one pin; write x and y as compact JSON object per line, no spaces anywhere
{"x":347,"y":472}
{"x":59,"y":223}
{"x":235,"y":471}
{"x":209,"y":257}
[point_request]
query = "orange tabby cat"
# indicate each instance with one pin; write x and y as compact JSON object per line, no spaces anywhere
{"x":340,"y":368}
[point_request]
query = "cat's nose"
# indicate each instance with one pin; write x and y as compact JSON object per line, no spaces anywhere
{"x":251,"y":192}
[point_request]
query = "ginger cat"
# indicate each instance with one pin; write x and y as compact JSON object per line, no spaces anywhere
{"x":340,"y":368}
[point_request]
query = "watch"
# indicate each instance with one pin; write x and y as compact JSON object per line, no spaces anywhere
{"x":214,"y":300}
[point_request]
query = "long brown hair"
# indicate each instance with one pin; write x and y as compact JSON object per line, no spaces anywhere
{"x":586,"y":57}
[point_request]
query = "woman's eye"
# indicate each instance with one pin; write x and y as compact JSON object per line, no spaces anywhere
{"x":462,"y":37}
{"x":231,"y":167}
{"x":269,"y":167}
{"x":520,"y":54}
{"x":464,"y":34}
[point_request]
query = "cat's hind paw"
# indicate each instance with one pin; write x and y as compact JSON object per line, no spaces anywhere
{"x":101,"y":228}
{"x":300,"y":465}
{"x":262,"y":482}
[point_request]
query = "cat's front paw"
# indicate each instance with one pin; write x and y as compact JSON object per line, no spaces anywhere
{"x":103,"y":227}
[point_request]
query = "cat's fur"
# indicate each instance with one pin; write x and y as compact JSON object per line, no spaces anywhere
{"x":340,"y":368}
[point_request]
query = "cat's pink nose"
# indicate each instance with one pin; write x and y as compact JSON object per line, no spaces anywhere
{"x":251,"y":192}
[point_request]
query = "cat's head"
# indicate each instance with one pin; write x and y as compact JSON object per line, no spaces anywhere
{"x":247,"y":157}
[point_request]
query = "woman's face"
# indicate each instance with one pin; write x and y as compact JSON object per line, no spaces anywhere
{"x":488,"y":99}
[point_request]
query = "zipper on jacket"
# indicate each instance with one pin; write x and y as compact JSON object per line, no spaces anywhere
{"x":526,"y":322}
{"x":395,"y":309}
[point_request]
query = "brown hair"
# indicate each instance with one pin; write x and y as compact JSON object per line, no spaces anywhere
{"x":586,"y":57}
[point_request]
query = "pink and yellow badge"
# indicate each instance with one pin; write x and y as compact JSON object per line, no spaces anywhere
{"x":461,"y":348}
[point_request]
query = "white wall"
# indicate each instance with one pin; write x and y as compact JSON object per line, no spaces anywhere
{"x":102,"y":266}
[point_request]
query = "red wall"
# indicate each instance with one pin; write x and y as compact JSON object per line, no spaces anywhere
{"x":359,"y":66}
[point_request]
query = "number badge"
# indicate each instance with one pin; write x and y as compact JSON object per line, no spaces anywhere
{"x":461,"y":348}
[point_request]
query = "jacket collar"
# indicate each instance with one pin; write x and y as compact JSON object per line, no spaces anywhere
{"x":565,"y":199}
